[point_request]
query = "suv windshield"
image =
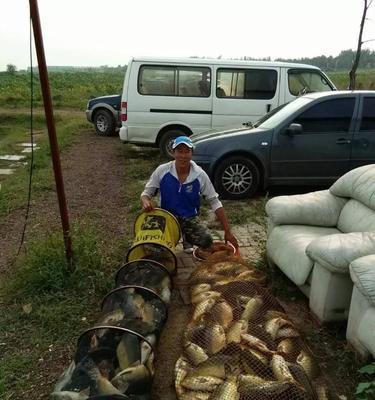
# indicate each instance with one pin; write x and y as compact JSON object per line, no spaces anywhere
{"x":284,"y":112}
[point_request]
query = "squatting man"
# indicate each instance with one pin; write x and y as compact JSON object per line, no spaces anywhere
{"x":181,"y":184}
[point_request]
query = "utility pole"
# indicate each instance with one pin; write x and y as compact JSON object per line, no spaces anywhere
{"x":34,"y":15}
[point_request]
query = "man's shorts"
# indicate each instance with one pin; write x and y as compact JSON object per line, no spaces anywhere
{"x":194,"y":232}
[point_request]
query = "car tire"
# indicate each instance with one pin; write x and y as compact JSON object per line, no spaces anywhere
{"x":165,"y":143}
{"x":104,"y":122}
{"x":236,"y":178}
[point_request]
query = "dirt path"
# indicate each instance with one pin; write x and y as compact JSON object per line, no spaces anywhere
{"x":93,"y":174}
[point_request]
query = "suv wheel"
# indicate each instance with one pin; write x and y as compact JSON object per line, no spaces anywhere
{"x":165,"y":144}
{"x":236,"y":178}
{"x":104,"y":123}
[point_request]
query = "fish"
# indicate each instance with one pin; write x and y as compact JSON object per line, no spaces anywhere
{"x":166,"y":294}
{"x":67,"y":395}
{"x":128,"y":351}
{"x":134,"y":380}
{"x":209,"y":294}
{"x":214,"y":366}
{"x":266,"y":390}
{"x":112,"y":318}
{"x":200,"y":288}
{"x":254,"y":363}
{"x":287,"y":333}
{"x":273,"y":325}
{"x":236,"y":330}
{"x":301,"y":377}
{"x":286,"y":347}
{"x":181,"y":370}
{"x":194,"y":395}
{"x":308,"y":364}
{"x":65,"y":377}
{"x":202,"y":308}
{"x":222,"y":313}
{"x":205,"y":383}
{"x":214,"y":338}
{"x":225,"y":267}
{"x":281,"y":370}
{"x":252,"y":308}
{"x":256,"y":343}
{"x":194,"y":333}
{"x":150,"y":364}
{"x":251,"y":380}
{"x":146,"y":349}
{"x":98,"y":383}
{"x":228,"y":390}
{"x":322,"y":392}
{"x":151,"y":314}
{"x":270,"y":314}
{"x":195,"y":353}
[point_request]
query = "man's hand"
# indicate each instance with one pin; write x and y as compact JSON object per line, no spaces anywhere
{"x":147,"y":204}
{"x":229,"y":237}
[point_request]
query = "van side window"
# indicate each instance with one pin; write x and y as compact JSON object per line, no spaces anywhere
{"x":302,"y":81}
{"x":246,"y":83}
{"x":174,"y":81}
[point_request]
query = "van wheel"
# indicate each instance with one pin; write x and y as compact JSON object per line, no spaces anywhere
{"x":104,"y":123}
{"x":236,"y":178}
{"x":165,"y":144}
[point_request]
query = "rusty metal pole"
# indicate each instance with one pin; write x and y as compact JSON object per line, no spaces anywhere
{"x":34,"y":14}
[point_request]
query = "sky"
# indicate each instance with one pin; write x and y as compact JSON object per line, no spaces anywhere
{"x":109,"y":32}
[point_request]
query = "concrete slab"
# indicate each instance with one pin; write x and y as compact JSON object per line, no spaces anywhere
{"x":29,"y":149}
{"x":27,"y":144}
{"x":8,"y":157}
{"x":6,"y":171}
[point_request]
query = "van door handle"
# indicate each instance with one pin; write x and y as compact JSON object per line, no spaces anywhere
{"x":343,"y":141}
{"x":268,"y":108}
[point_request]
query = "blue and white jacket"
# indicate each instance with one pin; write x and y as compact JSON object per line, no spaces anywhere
{"x":182,"y":199}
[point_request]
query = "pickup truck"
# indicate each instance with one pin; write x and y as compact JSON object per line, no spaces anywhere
{"x":104,"y":113}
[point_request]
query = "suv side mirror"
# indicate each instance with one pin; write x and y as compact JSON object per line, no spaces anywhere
{"x":294,"y":129}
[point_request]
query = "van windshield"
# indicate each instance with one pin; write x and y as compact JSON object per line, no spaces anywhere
{"x":306,"y":81}
{"x":284,"y":112}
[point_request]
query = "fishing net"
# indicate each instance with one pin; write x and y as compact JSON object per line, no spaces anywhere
{"x":116,"y":356}
{"x":239,"y":342}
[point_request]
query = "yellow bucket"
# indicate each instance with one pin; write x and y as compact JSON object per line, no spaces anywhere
{"x":156,"y":234}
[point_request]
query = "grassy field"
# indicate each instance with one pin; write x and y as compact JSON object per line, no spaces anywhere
{"x":365,"y":79}
{"x":68,"y":89}
{"x":74,"y":89}
{"x":42,"y":306}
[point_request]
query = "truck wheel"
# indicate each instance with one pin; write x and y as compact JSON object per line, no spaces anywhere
{"x":165,"y":144}
{"x":236,"y":178}
{"x":104,"y":123}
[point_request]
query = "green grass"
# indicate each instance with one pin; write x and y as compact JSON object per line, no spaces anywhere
{"x":365,"y":79}
{"x":40,"y":301}
{"x":68,"y":89}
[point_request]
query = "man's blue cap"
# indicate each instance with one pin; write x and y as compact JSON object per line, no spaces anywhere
{"x":182,"y":140}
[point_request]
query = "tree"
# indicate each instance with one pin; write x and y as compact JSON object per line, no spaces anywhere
{"x":352,"y":73}
{"x":11,"y":69}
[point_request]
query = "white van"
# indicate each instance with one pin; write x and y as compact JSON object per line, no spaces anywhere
{"x":164,"y":98}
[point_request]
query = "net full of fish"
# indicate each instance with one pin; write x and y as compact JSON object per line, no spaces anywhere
{"x":115,"y":358}
{"x":146,"y":273}
{"x":239,"y":343}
